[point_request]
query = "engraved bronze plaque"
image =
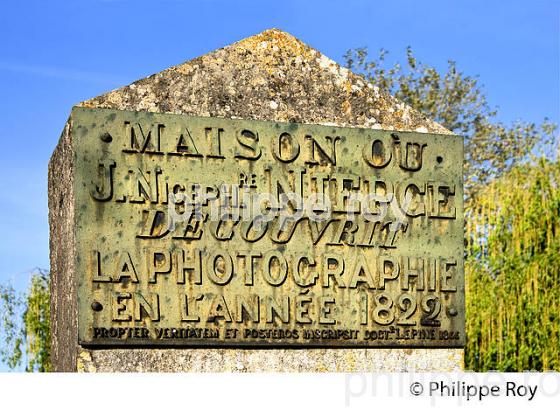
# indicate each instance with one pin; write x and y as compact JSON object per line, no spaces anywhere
{"x":196,"y":231}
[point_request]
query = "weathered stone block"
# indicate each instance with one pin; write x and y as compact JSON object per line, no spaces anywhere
{"x":273,"y":77}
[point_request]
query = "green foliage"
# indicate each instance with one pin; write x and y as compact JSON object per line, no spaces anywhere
{"x":513,"y":272}
{"x":512,"y":264}
{"x":37,"y":324}
{"x":25,"y":320}
{"x":10,"y":330}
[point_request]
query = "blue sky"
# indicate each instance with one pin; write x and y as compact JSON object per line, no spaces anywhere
{"x":54,"y":54}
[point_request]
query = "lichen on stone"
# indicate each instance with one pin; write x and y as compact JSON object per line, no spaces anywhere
{"x":270,"y":76}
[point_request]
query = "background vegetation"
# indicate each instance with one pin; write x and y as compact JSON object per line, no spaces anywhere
{"x":512,"y":229}
{"x":25,"y":324}
{"x":513,"y":280}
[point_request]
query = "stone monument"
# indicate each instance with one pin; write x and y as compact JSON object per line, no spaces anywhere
{"x":161,"y":261}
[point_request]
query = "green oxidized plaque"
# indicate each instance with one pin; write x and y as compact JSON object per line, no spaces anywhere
{"x":220,"y":232}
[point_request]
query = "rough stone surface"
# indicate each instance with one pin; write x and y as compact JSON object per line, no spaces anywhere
{"x":270,"y":76}
{"x":64,"y":306}
{"x":277,"y":360}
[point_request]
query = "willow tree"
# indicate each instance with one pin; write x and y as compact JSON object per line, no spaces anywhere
{"x":513,"y":271}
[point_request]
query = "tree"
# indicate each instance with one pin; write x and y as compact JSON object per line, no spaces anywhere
{"x":457,"y":102}
{"x":25,"y":320}
{"x":11,"y":331}
{"x":513,"y":293}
